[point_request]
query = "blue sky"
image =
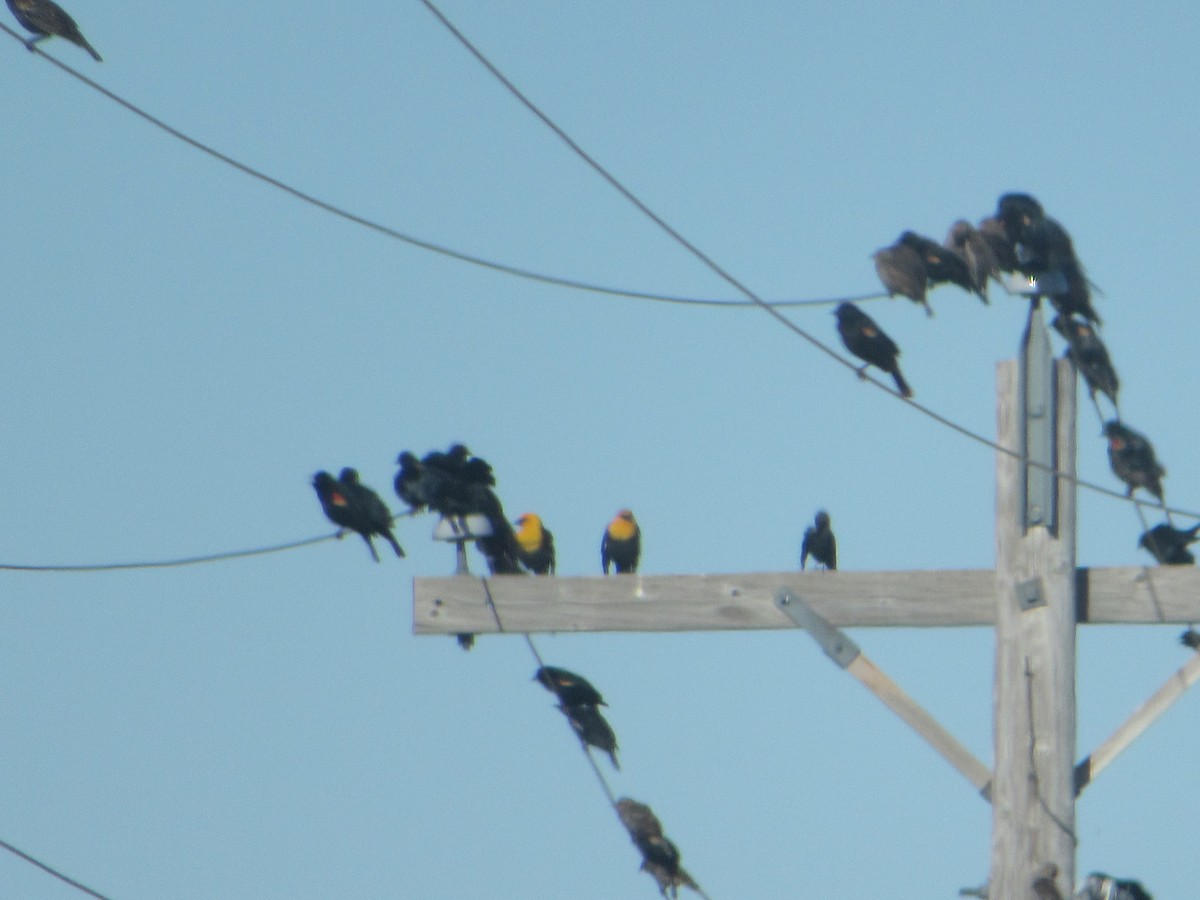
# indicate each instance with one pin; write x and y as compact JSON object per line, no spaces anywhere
{"x":182,"y":347}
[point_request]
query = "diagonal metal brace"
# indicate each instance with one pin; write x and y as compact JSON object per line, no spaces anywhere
{"x":847,"y":655}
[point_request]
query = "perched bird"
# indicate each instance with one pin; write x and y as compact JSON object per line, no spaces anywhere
{"x":45,"y":18}
{"x":622,"y":544}
{"x":1003,"y":251}
{"x":535,"y":545}
{"x":867,"y":341}
{"x":1132,"y":459}
{"x":571,"y":689}
{"x":942,"y":264}
{"x":592,"y":728}
{"x":819,"y":542}
{"x":1099,"y":886}
{"x":966,"y":240}
{"x":1045,"y":885}
{"x":349,"y":504}
{"x":1190,"y":638}
{"x":902,"y":271}
{"x":1087,"y":351}
{"x":660,"y":856}
{"x":1169,"y":545}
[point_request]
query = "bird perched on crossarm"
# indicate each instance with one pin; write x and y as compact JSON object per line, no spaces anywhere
{"x":621,"y":545}
{"x":867,"y":341}
{"x":45,"y":18}
{"x":349,"y":504}
{"x":1169,"y":545}
{"x":1131,"y":456}
{"x":535,"y":545}
{"x":819,"y":542}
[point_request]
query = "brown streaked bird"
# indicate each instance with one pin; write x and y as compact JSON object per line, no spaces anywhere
{"x":45,"y":18}
{"x":867,"y":341}
{"x":621,"y":545}
{"x":966,"y":240}
{"x":535,"y":545}
{"x":902,"y":270}
{"x":660,"y":856}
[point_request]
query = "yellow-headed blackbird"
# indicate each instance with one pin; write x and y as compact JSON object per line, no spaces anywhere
{"x":352,"y":505}
{"x":902,"y":271}
{"x":965,"y":239}
{"x":571,"y":689}
{"x":535,"y":545}
{"x":1090,"y":356}
{"x":1169,"y":545}
{"x":592,"y":728}
{"x":1132,"y":459}
{"x":819,"y":542}
{"x":45,"y":18}
{"x":660,"y":856}
{"x":1099,"y":886}
{"x":622,"y":544}
{"x":867,"y":341}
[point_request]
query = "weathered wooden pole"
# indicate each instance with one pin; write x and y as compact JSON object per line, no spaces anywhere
{"x":1033,"y":790}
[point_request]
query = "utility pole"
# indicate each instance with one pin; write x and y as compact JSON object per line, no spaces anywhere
{"x":1035,"y":598}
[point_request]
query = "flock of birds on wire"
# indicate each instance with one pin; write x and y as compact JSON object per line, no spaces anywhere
{"x":1019,"y":237}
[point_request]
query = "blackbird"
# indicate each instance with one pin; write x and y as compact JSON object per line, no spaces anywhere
{"x":1132,"y":459}
{"x":592,"y":728}
{"x":902,"y":271}
{"x":621,"y":545}
{"x":1090,"y":356}
{"x":45,"y":18}
{"x":535,"y":545}
{"x":349,"y":504}
{"x":867,"y":341}
{"x":943,"y":265}
{"x":571,"y":689}
{"x":1169,"y":545}
{"x":1099,"y":886}
{"x":966,"y":240}
{"x":820,"y":543}
{"x":660,"y":856}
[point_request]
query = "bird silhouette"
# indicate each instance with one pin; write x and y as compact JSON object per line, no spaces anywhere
{"x":352,"y":505}
{"x":1132,"y":459}
{"x":621,"y":545}
{"x":901,"y":268}
{"x":967,"y":241}
{"x":571,"y":689}
{"x":1087,"y":351}
{"x":867,"y":341}
{"x":1169,"y":545}
{"x":45,"y":18}
{"x":592,"y":728}
{"x":660,"y":856}
{"x":819,"y":542}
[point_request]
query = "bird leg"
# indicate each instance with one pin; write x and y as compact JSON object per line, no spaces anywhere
{"x":862,"y":372}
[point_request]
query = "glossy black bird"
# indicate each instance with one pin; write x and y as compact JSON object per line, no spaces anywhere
{"x":1132,"y":459}
{"x":819,"y":542}
{"x":1090,"y":356}
{"x":867,"y":341}
{"x":660,"y":856}
{"x":621,"y":545}
{"x":1169,"y":545}
{"x":571,"y":689}
{"x":592,"y":728}
{"x":45,"y":18}
{"x":349,"y":504}
{"x":1099,"y":886}
{"x":1190,"y":638}
{"x":942,"y":264}
{"x":902,"y":271}
{"x":966,"y":240}
{"x":535,"y":545}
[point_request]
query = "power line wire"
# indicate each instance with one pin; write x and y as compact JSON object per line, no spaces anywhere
{"x":52,"y":871}
{"x":421,"y":243}
{"x":736,"y":284}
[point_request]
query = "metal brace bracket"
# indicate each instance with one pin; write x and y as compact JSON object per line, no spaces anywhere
{"x":835,"y":645}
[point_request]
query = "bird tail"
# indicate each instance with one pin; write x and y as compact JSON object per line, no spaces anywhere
{"x":90,"y":49}
{"x":391,"y":539}
{"x":901,"y":384}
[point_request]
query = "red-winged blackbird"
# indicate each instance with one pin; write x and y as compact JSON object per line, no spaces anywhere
{"x":976,"y":252}
{"x":660,"y":856}
{"x":1044,"y":246}
{"x":535,"y":545}
{"x":942,"y":264}
{"x":1099,"y":886}
{"x":1169,"y":545}
{"x":1190,"y":638}
{"x":819,"y":542}
{"x":902,"y":271}
{"x":45,"y":18}
{"x":1132,"y":459}
{"x":592,"y":728}
{"x":622,"y":544}
{"x":867,"y":341}
{"x":571,"y":689}
{"x":352,"y":505}
{"x":1090,"y":356}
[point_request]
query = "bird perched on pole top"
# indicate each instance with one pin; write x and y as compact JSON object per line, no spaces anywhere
{"x":621,"y":545}
{"x":819,"y":542}
{"x":45,"y":18}
{"x":1131,"y":456}
{"x":535,"y":545}
{"x":349,"y":504}
{"x":867,"y":341}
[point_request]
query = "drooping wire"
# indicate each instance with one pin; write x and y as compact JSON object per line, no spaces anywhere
{"x":420,"y":243}
{"x":79,"y":886}
{"x":736,"y":284}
